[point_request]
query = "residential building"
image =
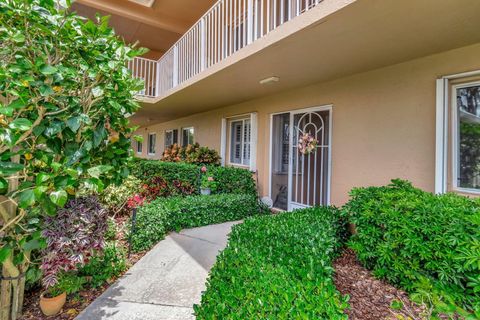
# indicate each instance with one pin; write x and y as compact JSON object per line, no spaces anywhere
{"x":386,"y":88}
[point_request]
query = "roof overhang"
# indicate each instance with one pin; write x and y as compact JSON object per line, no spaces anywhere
{"x":323,"y":44}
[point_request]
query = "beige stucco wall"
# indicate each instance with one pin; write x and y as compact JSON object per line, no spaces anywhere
{"x":383,"y":122}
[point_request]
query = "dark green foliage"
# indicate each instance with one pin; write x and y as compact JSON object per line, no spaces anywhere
{"x":229,"y":179}
{"x":155,"y":219}
{"x":278,"y":267}
{"x":428,"y":244}
{"x":102,"y":268}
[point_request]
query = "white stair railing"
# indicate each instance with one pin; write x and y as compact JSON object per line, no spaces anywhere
{"x":225,"y":28}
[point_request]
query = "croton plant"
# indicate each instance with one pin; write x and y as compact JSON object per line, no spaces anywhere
{"x":65,"y":94}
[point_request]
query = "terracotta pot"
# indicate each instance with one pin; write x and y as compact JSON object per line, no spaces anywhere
{"x":52,"y":306}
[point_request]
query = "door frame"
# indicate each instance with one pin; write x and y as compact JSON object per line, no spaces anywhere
{"x":329,"y":108}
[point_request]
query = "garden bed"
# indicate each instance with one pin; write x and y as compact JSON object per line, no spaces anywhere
{"x":83,"y":298}
{"x":371,"y":298}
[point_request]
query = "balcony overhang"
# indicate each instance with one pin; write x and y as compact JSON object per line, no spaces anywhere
{"x":333,"y":40}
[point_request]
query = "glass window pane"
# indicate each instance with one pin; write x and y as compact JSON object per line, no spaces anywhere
{"x":468,"y":157}
{"x":279,"y":165}
{"x":151,"y":143}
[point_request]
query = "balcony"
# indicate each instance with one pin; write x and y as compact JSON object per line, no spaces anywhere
{"x":227,"y":27}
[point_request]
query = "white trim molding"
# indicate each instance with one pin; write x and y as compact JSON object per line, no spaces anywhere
{"x":442,"y":131}
{"x":253,"y":141}
{"x":252,"y":166}
{"x":223,"y":141}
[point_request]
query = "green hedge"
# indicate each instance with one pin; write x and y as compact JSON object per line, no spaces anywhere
{"x":158,"y":217}
{"x":230,"y":179}
{"x":278,"y":267}
{"x":428,"y":244}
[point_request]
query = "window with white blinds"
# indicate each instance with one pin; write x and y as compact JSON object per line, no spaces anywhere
{"x":240,"y":141}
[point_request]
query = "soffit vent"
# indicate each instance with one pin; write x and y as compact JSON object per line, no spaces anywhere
{"x":146,"y":3}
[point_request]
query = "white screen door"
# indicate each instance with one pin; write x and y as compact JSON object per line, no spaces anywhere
{"x":309,"y":171}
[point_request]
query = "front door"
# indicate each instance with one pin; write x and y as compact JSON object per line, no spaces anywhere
{"x":309,"y":171}
{"x":300,"y":158}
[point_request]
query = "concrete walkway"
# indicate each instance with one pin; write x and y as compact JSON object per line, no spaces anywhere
{"x":167,"y":281}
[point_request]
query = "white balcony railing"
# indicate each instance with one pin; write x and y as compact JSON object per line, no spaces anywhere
{"x":226,"y":28}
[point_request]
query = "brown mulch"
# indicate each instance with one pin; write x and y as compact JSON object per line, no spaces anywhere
{"x":76,"y":303}
{"x":370,"y":298}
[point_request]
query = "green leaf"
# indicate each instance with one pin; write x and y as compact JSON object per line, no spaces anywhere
{"x":46,"y":90}
{"x":97,"y":92}
{"x":17,"y":104}
{"x":27,"y":198}
{"x":8,"y":168}
{"x":18,"y":37}
{"x":42,"y":177}
{"x":32,"y":245}
{"x":48,"y":70}
{"x":74,"y":123}
{"x":99,"y":170}
{"x":5,"y":252}
{"x":59,"y":197}
{"x":21,"y":124}
{"x":3,"y":186}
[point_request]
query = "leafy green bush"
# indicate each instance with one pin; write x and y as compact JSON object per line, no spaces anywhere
{"x":192,"y":153}
{"x":420,"y":241}
{"x":115,"y":197}
{"x":158,"y":217}
{"x":229,"y":179}
{"x":278,"y":267}
{"x":103,"y":268}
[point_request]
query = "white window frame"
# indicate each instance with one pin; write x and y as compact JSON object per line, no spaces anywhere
{"x":445,"y":107}
{"x":242,"y":141}
{"x":252,"y":166}
{"x":183,"y":130}
{"x":139,"y":145}
{"x":149,"y":145}
{"x":455,"y":137}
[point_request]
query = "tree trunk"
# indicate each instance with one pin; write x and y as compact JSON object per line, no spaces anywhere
{"x":5,"y":296}
{"x":11,"y":299}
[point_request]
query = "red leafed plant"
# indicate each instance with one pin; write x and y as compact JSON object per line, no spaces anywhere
{"x":73,"y":235}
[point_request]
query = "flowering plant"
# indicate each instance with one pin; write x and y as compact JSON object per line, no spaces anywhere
{"x":307,"y":144}
{"x":73,"y":236}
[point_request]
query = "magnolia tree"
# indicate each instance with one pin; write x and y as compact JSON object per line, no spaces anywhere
{"x":65,"y":95}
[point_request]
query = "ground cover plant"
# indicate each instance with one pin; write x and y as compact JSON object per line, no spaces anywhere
{"x":427,"y":244}
{"x":228,"y":179}
{"x":278,"y":267}
{"x":158,"y":217}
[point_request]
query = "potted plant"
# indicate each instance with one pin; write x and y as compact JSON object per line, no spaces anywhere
{"x":208,"y":183}
{"x":52,"y":300}
{"x":73,"y":235}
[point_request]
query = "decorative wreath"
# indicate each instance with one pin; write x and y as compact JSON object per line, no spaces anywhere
{"x":307,"y":144}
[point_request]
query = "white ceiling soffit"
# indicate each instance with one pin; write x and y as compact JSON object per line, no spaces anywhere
{"x":146,"y":3}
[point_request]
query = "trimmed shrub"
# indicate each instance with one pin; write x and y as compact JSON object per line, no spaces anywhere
{"x":158,"y":217}
{"x":427,"y":244}
{"x":229,"y":179}
{"x":192,"y":153}
{"x":278,"y":267}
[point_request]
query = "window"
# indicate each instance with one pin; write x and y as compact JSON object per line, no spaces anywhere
{"x":467,"y":142}
{"x":240,"y":137}
{"x":187,"y":136}
{"x":152,"y":139}
{"x":139,"y":147}
{"x":171,"y":137}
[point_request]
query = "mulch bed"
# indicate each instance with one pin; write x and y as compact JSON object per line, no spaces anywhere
{"x":370,"y":298}
{"x":76,"y":303}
